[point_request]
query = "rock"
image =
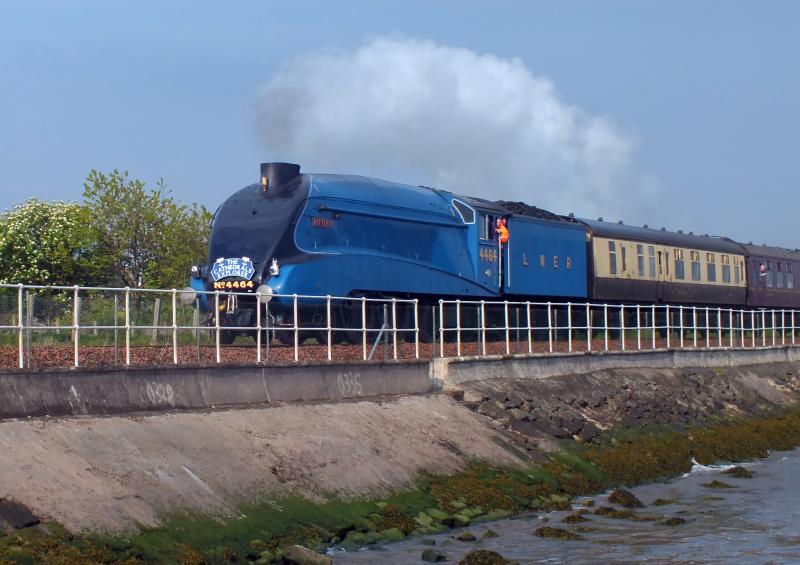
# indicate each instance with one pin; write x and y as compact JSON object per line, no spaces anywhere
{"x":557,"y":533}
{"x":15,"y":516}
{"x":519,"y":414}
{"x":436,"y":514}
{"x":491,"y":409}
{"x":392,"y":534}
{"x":423,"y":520}
{"x":299,"y":555}
{"x":588,"y":503}
{"x":427,"y":541}
{"x":488,"y":534}
{"x":674,"y":521}
{"x":460,"y":520}
{"x":484,"y":557}
{"x":625,"y":498}
{"x":717,"y":484}
{"x":662,"y":502}
{"x":739,"y":472}
{"x":433,"y":556}
{"x":466,"y":536}
{"x":473,"y":396}
{"x":575,"y":519}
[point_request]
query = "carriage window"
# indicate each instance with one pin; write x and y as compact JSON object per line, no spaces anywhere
{"x":624,"y":258}
{"x":726,"y":269}
{"x":679,"y":266}
{"x":467,"y":214}
{"x":736,"y":274}
{"x":640,"y":258}
{"x":789,"y":280}
{"x":651,"y":251}
{"x":696,"y":266}
{"x":612,"y":257}
{"x":711,"y":267}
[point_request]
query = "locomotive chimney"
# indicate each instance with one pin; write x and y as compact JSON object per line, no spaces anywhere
{"x":276,"y":174}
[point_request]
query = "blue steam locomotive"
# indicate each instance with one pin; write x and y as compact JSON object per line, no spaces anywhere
{"x":353,"y":236}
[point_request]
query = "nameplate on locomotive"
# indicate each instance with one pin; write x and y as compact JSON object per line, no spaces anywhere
{"x":239,"y":267}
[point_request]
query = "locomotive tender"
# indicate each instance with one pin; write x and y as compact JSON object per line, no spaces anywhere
{"x":353,"y":236}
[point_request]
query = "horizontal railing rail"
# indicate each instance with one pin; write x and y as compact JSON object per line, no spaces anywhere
{"x":528,"y":327}
{"x":146,"y":317}
{"x":62,"y":326}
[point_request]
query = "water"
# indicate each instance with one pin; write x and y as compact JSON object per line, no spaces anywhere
{"x":756,"y":522}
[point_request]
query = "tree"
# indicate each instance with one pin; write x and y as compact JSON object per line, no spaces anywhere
{"x":145,"y":238}
{"x":46,"y":243}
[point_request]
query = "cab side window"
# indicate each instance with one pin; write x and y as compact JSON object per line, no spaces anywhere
{"x":487,"y":232}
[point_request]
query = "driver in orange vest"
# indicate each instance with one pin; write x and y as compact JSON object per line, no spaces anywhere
{"x":502,"y":230}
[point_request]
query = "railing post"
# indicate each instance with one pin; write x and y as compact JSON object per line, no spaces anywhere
{"x":793,"y":325}
{"x":76,"y":315}
{"x":667,"y":326}
{"x":569,"y":326}
{"x":21,"y":325}
{"x":588,"y":327}
{"x":605,"y":326}
{"x":441,"y":328}
{"x":530,"y":327}
{"x":127,"y":325}
{"x":175,"y":326}
{"x":694,"y":326}
{"x":774,"y":339}
{"x":783,"y":327}
{"x":549,"y":327}
{"x":741,"y":321}
{"x":638,"y":327}
{"x":329,"y":325}
{"x":217,"y":327}
{"x":258,"y":327}
{"x":296,"y":328}
{"x":458,"y":328}
{"x":483,"y":327}
{"x":680,"y":309}
{"x":708,"y":330}
{"x":763,"y":328}
{"x":508,"y":330}
{"x":622,"y":326}
{"x":730,"y":326}
{"x":394,"y":325}
{"x":719,"y":327}
{"x":416,"y":328}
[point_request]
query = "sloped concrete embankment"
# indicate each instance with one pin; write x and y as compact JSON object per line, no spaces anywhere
{"x":115,"y":472}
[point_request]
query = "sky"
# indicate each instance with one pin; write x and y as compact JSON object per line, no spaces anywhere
{"x":680,"y":114}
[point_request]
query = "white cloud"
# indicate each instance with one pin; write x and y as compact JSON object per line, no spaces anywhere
{"x":414,"y":111}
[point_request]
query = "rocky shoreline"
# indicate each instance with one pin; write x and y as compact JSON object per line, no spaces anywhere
{"x":569,"y":437}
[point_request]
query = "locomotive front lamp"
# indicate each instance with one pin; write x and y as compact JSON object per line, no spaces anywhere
{"x":274,"y":269}
{"x":264,"y":183}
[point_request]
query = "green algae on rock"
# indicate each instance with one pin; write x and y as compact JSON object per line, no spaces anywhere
{"x":575,"y":519}
{"x":739,"y":472}
{"x":484,"y":557}
{"x":433,"y":556}
{"x":662,"y":502}
{"x":715,"y":484}
{"x":557,"y":533}
{"x":673,"y":521}
{"x":625,"y":498}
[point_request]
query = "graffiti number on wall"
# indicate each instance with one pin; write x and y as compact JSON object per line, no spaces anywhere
{"x":160,"y":394}
{"x":349,"y":385}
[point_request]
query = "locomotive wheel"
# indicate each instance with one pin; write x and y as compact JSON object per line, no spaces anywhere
{"x":227,"y":337}
{"x":348,"y":317}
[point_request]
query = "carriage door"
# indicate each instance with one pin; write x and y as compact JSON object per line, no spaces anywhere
{"x":488,"y":264}
{"x":662,"y":266}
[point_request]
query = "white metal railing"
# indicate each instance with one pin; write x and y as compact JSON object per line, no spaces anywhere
{"x":92,"y":321}
{"x":479,"y":327}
